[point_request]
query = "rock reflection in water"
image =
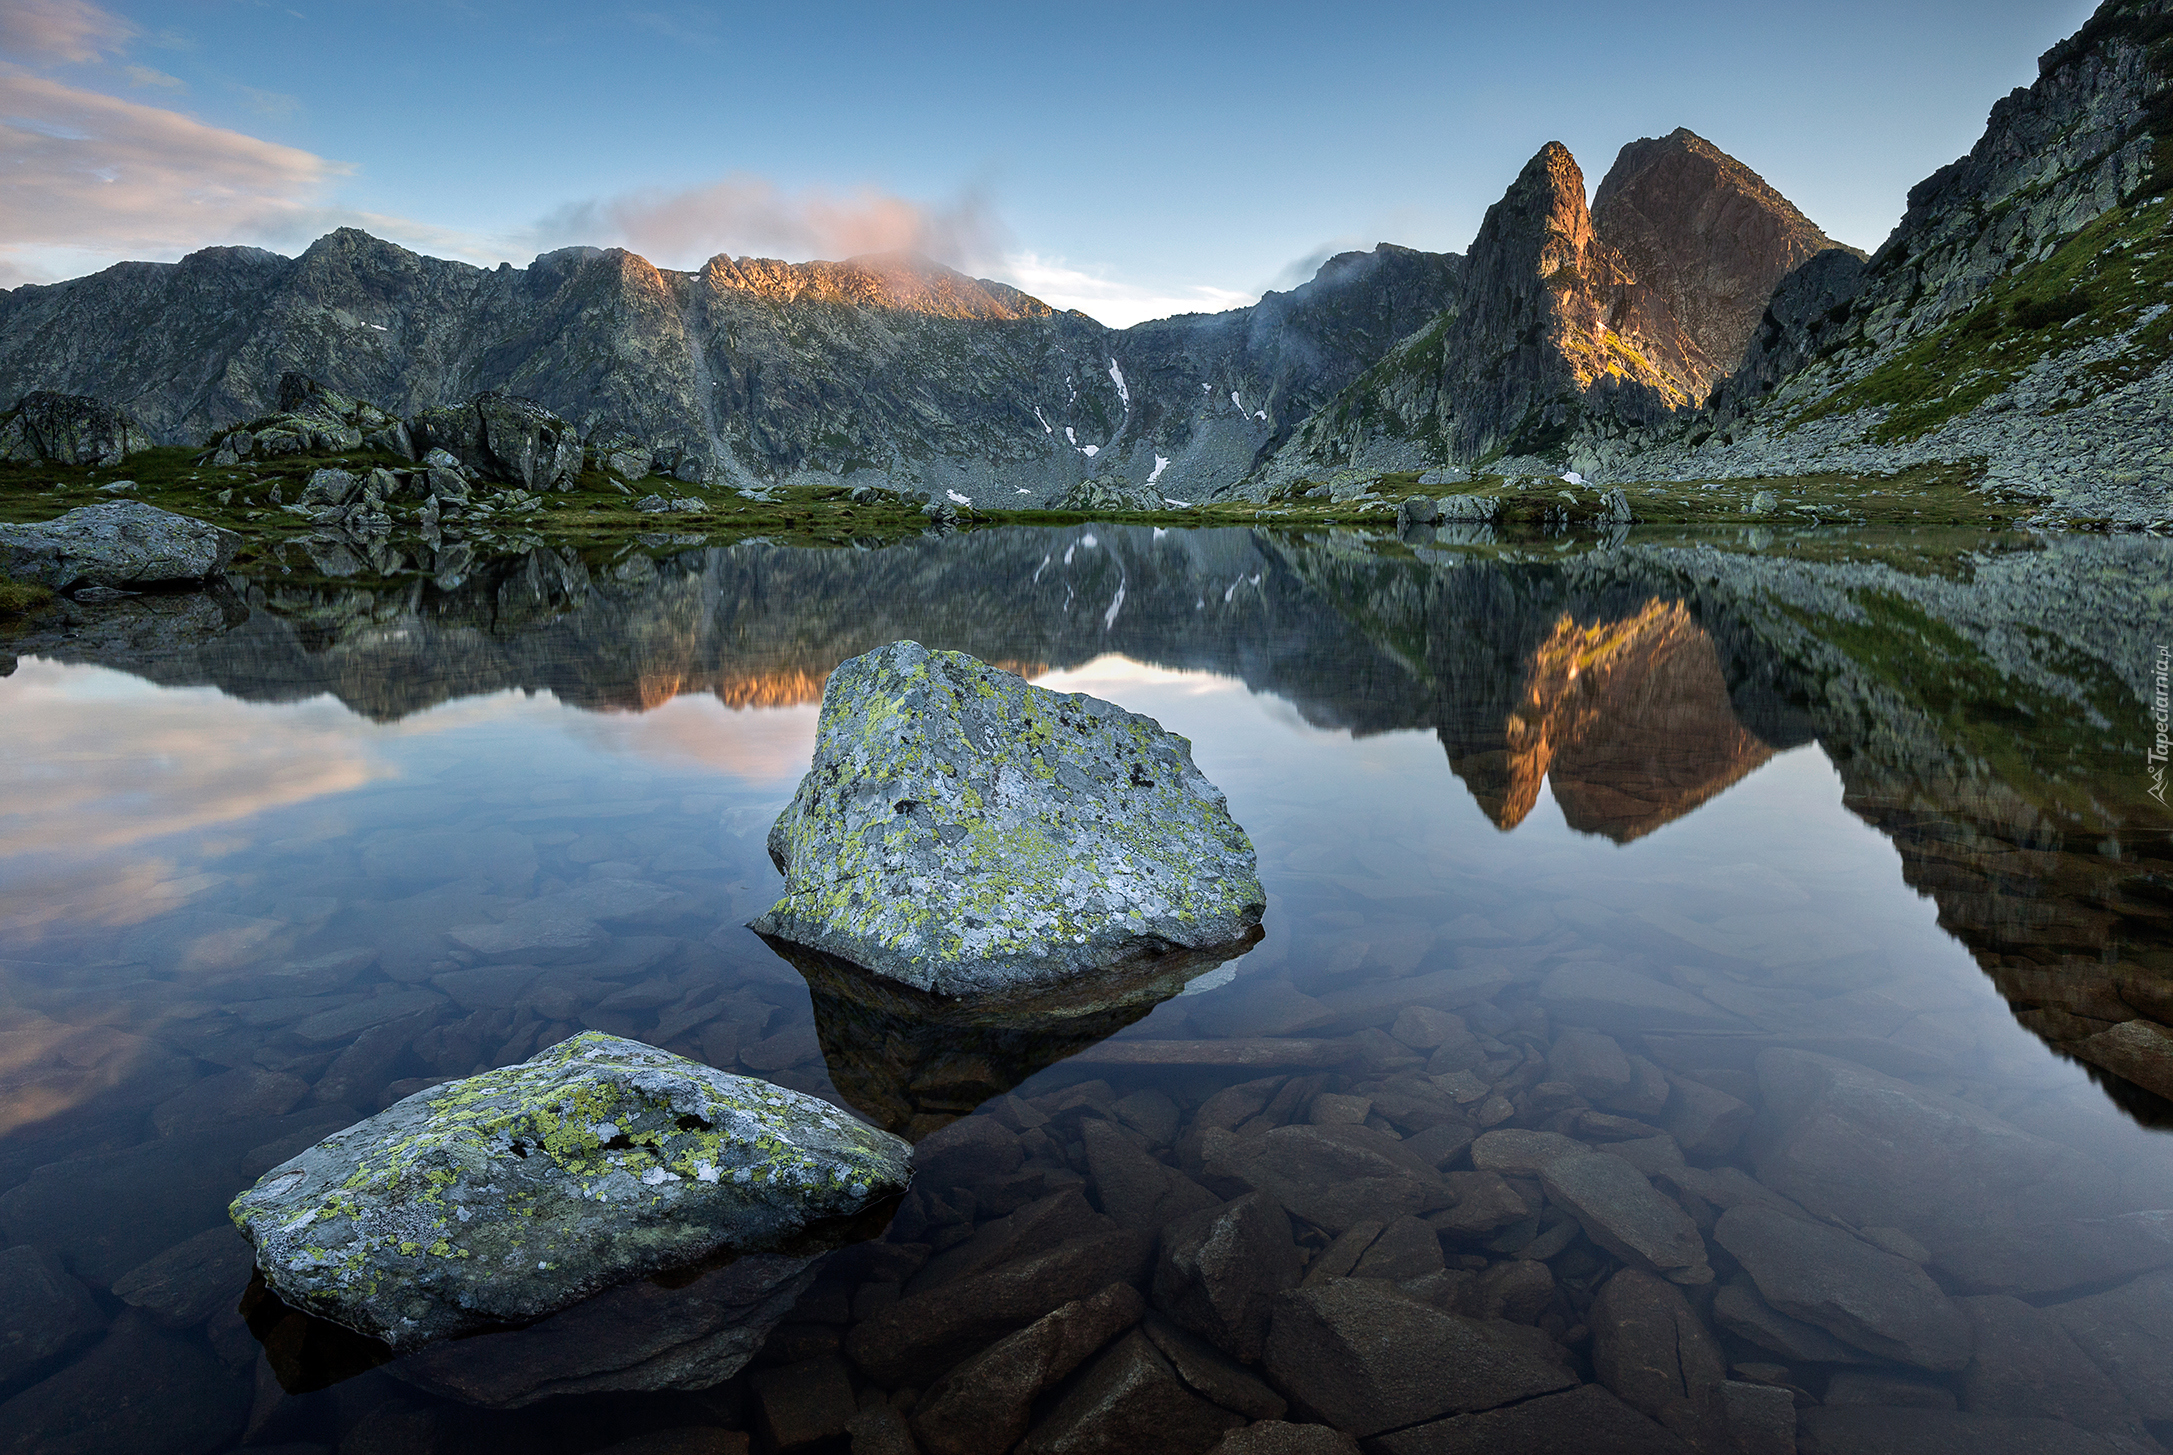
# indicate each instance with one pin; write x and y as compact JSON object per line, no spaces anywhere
{"x":912,"y":1062}
{"x":1747,"y":1025}
{"x":1628,"y":720}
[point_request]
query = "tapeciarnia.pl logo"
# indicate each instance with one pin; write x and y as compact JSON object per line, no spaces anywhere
{"x":2161,"y":715}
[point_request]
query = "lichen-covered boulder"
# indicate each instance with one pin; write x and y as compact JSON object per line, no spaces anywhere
{"x":1110,"y":492}
{"x":504,"y":1197}
{"x":966,"y":833}
{"x":122,"y":543}
{"x":69,"y":429}
{"x":504,"y":437}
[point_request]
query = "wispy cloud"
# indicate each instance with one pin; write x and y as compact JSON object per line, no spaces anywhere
{"x":1111,"y":300}
{"x":277,"y":105}
{"x":743,"y":214}
{"x":97,"y":174}
{"x":145,"y":76}
{"x":43,"y":31}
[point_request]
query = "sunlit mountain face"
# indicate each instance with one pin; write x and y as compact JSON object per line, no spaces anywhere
{"x":1628,"y":721}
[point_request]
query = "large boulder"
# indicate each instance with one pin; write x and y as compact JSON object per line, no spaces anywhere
{"x":69,"y":429}
{"x":124,"y":543}
{"x":965,"y":833}
{"x":507,"y":1196}
{"x":1110,"y":492}
{"x":503,"y":437}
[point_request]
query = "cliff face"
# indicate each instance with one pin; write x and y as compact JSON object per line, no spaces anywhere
{"x":1599,"y":320}
{"x":2015,"y":319}
{"x":884,"y":368}
{"x":1707,"y":234}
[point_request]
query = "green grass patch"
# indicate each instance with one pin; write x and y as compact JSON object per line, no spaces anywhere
{"x":20,"y":598}
{"x":2095,"y":285}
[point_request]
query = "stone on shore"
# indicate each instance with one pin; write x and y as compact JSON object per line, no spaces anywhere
{"x":504,"y":437}
{"x":507,"y":1196}
{"x":69,"y":429}
{"x":965,"y":833}
{"x":124,"y":543}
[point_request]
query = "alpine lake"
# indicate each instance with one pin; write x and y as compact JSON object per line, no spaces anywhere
{"x":1815,"y":881}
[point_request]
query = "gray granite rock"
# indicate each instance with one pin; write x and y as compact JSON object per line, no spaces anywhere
{"x":1866,"y":1430}
{"x":1586,"y":1419}
{"x":1130,"y":1399}
{"x":1742,"y":1311}
{"x":639,"y":1336}
{"x":2024,"y":1362}
{"x":1623,"y":1213}
{"x":1220,"y":1270}
{"x":2128,"y":1333}
{"x":1999,"y":1208}
{"x":141,"y":1389}
{"x":1331,"y":1176}
{"x":966,"y":833}
{"x":190,"y":1281}
{"x":1212,"y":1374}
{"x":510,"y":1195}
{"x":1864,"y":1296}
{"x":1368,"y":1358}
{"x":1653,"y":1352}
{"x":44,"y":1312}
{"x":924,"y":1334}
{"x":984,"y":1406}
{"x":1278,"y":1437}
{"x":124,"y":543}
{"x":69,"y":429}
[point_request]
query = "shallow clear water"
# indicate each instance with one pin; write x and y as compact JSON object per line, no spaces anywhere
{"x":1822,"y":866}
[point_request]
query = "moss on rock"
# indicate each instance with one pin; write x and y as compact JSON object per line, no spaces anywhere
{"x":504,"y":1197}
{"x":964,"y":832}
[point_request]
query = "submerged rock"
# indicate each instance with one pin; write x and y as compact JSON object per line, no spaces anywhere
{"x":123,"y":543}
{"x":964,"y":832}
{"x":505,"y":1197}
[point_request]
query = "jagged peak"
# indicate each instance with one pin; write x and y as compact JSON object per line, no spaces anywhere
{"x":902,"y":281}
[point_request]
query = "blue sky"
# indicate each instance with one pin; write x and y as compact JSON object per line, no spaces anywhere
{"x":1129,"y":159}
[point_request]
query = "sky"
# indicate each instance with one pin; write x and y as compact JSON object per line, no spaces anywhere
{"x":1130,"y":160}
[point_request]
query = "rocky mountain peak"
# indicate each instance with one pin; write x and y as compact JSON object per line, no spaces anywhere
{"x":901,"y":282}
{"x":1707,"y":234}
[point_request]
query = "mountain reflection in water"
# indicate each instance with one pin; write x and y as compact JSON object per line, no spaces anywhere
{"x":269,"y":861}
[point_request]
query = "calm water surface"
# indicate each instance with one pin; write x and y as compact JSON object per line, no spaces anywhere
{"x":1834,"y":899}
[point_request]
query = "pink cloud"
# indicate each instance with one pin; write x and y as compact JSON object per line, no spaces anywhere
{"x":96,"y":173}
{"x":743,"y":214}
{"x":60,"y":30}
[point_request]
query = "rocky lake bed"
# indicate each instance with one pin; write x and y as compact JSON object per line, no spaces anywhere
{"x":1563,"y":1099}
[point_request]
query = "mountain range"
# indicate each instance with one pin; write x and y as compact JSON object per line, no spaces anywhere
{"x":1690,"y":322}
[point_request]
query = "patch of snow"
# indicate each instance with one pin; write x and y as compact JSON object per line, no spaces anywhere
{"x":1122,"y":392}
{"x":1235,"y":400}
{"x":1116,"y":604}
{"x":1207,"y":388}
{"x":1070,"y":434}
{"x":1232,"y":591}
{"x":1161,"y":463}
{"x":379,"y":327}
{"x":1045,"y":429}
{"x":1260,"y":414}
{"x":958,"y":499}
{"x":1090,"y":451}
{"x":1024,"y":491}
{"x":1180,"y":504}
{"x":1573,"y":477}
